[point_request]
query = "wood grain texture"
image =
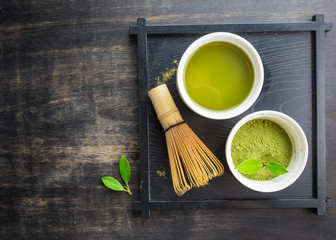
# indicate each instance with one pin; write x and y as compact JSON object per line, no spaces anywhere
{"x":69,"y":109}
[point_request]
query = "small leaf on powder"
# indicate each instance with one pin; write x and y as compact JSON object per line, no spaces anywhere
{"x":125,"y":169}
{"x":276,"y":168}
{"x":112,"y":183}
{"x":249,"y":166}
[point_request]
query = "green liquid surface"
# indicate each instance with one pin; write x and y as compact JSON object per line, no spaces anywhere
{"x":219,"y":76}
{"x":262,"y":140}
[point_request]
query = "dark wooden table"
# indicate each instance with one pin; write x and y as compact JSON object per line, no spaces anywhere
{"x":69,"y":109}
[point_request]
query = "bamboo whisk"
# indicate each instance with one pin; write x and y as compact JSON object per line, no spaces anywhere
{"x":192,"y":164}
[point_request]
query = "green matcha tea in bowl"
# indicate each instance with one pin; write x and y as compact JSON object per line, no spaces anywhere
{"x":267,"y":151}
{"x":220,"y":75}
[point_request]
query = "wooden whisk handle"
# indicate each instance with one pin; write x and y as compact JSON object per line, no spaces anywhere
{"x":164,"y":106}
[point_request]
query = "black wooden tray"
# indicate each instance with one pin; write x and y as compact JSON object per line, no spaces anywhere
{"x":293,"y":58}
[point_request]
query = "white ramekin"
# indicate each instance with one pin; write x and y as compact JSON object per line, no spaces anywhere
{"x":257,"y":67}
{"x":298,"y":160}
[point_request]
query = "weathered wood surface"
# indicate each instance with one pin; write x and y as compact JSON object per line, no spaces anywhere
{"x":69,"y":109}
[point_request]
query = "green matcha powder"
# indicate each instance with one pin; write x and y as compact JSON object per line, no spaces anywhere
{"x":265,"y":141}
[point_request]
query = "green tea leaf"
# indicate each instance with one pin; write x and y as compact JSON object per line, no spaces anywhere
{"x":249,"y":166}
{"x":276,"y":168}
{"x":125,"y":169}
{"x":112,"y":183}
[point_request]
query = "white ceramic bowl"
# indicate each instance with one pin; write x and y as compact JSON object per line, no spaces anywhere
{"x":257,"y":67}
{"x":298,"y":160}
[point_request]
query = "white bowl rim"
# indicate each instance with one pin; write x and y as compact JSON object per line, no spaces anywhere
{"x":272,"y":185}
{"x":250,"y":51}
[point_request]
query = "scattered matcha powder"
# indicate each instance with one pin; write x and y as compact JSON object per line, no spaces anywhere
{"x":161,"y":173}
{"x":167,"y":75}
{"x":265,"y":141}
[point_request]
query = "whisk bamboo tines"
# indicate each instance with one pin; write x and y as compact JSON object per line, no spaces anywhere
{"x":192,"y":164}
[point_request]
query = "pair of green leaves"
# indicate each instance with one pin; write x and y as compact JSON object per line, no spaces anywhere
{"x":252,"y":166}
{"x":125,"y":172}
